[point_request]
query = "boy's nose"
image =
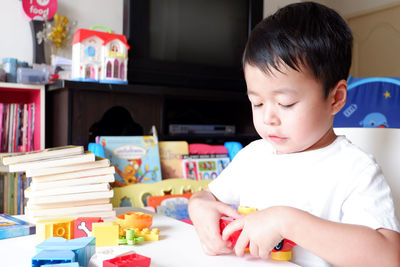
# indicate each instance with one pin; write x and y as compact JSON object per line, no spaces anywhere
{"x":270,"y":116}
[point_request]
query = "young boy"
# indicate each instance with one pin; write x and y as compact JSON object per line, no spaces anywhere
{"x":308,"y":185}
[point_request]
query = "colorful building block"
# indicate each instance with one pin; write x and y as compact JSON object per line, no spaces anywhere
{"x":106,"y":233}
{"x":147,"y":234}
{"x":69,"y":264}
{"x":131,"y":260}
{"x":106,"y":253}
{"x":134,"y":220}
{"x":83,"y":226}
{"x":83,"y":248}
{"x":57,"y":227}
{"x":47,"y":257}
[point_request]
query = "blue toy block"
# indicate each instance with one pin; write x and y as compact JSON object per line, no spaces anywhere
{"x":84,"y":247}
{"x":47,"y":257}
{"x":69,"y":264}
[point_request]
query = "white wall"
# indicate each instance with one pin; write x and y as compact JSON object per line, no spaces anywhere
{"x":17,"y":38}
{"x":16,"y":33}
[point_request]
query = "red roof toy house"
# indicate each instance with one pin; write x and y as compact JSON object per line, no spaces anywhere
{"x":99,"y":57}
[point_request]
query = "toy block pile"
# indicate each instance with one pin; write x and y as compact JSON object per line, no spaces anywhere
{"x":65,"y":181}
{"x":65,"y":240}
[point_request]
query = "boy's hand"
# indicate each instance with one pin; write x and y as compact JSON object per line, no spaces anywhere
{"x":205,"y":212}
{"x":260,"y":229}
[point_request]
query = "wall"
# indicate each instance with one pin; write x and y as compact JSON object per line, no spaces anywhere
{"x":17,"y":37}
{"x":16,"y":33}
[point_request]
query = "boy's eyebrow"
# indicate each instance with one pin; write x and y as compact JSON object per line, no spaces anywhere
{"x":280,"y":91}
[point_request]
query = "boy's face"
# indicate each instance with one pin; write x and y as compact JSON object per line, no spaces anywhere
{"x":289,"y":109}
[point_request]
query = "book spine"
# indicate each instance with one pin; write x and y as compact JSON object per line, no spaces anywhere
{"x":1,"y":124}
{"x":6,"y":192}
{"x":29,"y":132}
{"x":1,"y":192}
{"x":11,"y":194}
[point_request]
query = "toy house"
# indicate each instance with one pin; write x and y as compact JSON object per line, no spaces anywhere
{"x":99,"y":57}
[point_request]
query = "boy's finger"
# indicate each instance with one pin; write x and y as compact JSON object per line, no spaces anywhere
{"x":228,"y":211}
{"x":241,"y":244}
{"x":231,"y":228}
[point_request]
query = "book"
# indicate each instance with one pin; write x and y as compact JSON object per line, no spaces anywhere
{"x":98,"y":163}
{"x":68,"y":211}
{"x":203,"y":167}
{"x":11,"y":226}
{"x":54,"y":162}
{"x":61,"y":191}
{"x":71,"y":197}
{"x":171,"y":153}
{"x":37,"y":185}
{"x":41,"y":154}
{"x":74,"y":175}
{"x":76,"y":203}
{"x":136,"y":158}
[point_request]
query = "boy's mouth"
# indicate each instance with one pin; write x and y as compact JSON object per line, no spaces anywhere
{"x":276,"y":139}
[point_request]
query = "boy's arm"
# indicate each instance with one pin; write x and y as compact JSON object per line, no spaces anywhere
{"x":342,"y":244}
{"x":205,"y":212}
{"x":338,"y":243}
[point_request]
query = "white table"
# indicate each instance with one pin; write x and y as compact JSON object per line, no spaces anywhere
{"x":178,"y":246}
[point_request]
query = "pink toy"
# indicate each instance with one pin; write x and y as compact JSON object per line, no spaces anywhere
{"x":204,"y":149}
{"x":83,"y":226}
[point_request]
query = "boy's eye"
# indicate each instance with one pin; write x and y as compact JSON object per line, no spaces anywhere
{"x":287,"y":106}
{"x":257,"y":105}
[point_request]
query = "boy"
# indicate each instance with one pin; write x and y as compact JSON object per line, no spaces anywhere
{"x":309,"y":185}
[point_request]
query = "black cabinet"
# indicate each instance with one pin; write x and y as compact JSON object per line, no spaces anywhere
{"x":73,"y":107}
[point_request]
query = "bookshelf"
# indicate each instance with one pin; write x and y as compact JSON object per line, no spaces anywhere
{"x":24,"y":94}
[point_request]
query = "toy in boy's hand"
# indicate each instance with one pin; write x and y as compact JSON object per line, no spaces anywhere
{"x":281,"y":252}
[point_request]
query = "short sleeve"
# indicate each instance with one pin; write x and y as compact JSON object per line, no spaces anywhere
{"x":369,"y":202}
{"x":226,"y":186}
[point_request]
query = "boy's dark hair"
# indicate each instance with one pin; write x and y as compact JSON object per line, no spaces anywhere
{"x":303,"y":34}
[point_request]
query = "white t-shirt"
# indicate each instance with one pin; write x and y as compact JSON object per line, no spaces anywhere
{"x":340,"y":183}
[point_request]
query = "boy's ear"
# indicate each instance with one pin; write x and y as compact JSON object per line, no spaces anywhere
{"x":338,"y":96}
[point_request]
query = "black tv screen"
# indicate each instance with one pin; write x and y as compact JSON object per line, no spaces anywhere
{"x":189,"y":43}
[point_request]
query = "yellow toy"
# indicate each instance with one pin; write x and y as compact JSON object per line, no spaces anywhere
{"x":138,"y":220}
{"x":148,"y":235}
{"x":58,"y":227}
{"x":106,"y":233}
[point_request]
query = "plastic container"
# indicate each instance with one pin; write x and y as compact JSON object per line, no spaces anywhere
{"x":27,"y":75}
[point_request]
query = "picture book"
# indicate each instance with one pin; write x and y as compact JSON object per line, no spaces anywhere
{"x":68,"y":211}
{"x":171,"y":153}
{"x":47,"y":153}
{"x":53,"y":162}
{"x":98,"y":163}
{"x":203,"y":167}
{"x":11,"y":226}
{"x":136,"y":158}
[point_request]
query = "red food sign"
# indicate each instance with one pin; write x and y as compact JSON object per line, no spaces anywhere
{"x":40,"y":9}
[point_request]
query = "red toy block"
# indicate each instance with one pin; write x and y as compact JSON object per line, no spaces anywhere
{"x":131,"y":260}
{"x":284,"y":245}
{"x":83,"y":226}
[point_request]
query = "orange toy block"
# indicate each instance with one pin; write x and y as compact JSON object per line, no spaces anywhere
{"x":57,"y":227}
{"x":138,"y":220}
{"x":106,"y":233}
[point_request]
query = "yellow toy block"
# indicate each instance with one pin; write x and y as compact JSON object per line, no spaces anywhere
{"x":106,"y":233}
{"x":147,"y":234}
{"x":57,"y":227}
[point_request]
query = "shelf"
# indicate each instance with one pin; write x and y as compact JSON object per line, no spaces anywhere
{"x":28,"y":93}
{"x":146,"y":89}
